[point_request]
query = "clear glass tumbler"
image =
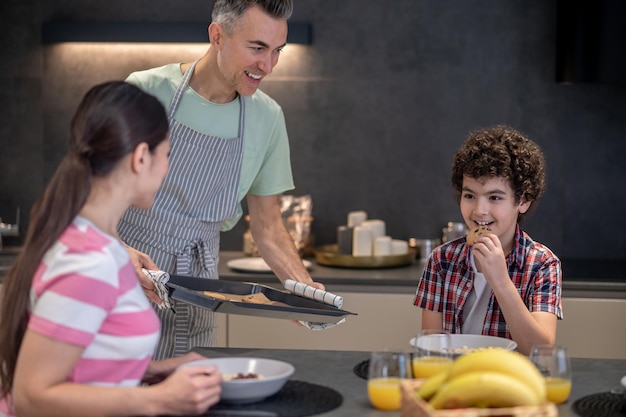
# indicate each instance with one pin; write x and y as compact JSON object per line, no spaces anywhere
{"x":554,"y":364}
{"x":386,"y":370}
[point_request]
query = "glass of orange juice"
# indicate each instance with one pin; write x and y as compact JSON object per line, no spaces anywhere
{"x":386,"y":369}
{"x":433,"y":353}
{"x":554,"y":364}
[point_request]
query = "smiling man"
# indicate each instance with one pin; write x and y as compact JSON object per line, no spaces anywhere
{"x":229,"y":142}
{"x":502,"y":283}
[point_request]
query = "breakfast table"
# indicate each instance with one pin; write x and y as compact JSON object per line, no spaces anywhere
{"x":338,"y":376}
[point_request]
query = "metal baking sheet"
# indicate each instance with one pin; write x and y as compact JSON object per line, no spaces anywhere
{"x":185,"y":288}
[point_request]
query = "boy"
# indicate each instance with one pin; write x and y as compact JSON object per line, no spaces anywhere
{"x":506,"y":284}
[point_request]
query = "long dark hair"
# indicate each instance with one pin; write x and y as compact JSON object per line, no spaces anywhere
{"x":111,"y":120}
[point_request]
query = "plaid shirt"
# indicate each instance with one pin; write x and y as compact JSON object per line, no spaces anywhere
{"x":448,"y":279}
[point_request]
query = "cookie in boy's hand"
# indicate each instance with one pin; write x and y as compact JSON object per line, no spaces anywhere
{"x":475,"y":233}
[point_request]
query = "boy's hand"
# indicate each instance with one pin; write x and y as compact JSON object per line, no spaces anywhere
{"x":490,"y":259}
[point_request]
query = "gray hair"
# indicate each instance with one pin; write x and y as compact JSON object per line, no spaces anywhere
{"x":227,"y":12}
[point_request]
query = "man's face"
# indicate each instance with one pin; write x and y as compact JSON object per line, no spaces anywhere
{"x":252,"y":50}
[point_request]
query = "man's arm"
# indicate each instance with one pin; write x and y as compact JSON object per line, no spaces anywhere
{"x":274,"y":242}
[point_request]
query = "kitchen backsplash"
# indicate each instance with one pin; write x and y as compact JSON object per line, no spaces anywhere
{"x":375,"y":109}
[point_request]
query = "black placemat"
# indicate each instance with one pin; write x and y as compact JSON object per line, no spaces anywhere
{"x":603,"y":404}
{"x":295,"y":399}
{"x":361,"y":369}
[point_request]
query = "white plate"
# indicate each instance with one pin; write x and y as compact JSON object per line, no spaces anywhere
{"x":242,"y":391}
{"x":255,"y":264}
{"x":475,"y":341}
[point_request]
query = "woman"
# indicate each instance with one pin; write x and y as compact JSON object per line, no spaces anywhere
{"x":77,"y":331}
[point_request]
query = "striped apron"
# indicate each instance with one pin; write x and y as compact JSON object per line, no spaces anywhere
{"x":181,"y":231}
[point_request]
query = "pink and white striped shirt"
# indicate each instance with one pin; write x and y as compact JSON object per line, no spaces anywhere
{"x":85,"y":292}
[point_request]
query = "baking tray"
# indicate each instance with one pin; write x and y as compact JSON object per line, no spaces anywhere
{"x":329,"y":255}
{"x":185,"y":288}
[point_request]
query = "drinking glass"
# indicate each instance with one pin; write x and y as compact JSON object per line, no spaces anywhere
{"x":554,"y":364}
{"x":433,"y":353}
{"x":386,"y":369}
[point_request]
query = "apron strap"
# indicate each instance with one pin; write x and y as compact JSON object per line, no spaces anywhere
{"x":181,"y":88}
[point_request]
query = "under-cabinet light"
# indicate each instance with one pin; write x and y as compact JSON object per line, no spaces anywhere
{"x":69,"y":31}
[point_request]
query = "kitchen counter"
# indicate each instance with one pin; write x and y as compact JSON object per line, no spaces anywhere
{"x":335,"y":369}
{"x":383,"y":300}
{"x":582,"y":278}
{"x":579,"y":281}
{"x":382,"y":297}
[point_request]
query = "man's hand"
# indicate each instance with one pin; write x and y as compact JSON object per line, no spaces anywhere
{"x":140,"y":260}
{"x":317,"y":285}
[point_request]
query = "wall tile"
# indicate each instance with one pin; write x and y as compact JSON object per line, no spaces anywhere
{"x":375,"y":109}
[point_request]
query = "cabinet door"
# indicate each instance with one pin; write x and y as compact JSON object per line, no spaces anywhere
{"x":593,"y":328}
{"x":384,"y":321}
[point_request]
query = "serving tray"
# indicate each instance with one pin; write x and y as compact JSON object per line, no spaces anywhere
{"x":295,"y":307}
{"x":329,"y":255}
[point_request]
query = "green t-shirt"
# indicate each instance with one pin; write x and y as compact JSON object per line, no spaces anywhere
{"x":266,"y":164}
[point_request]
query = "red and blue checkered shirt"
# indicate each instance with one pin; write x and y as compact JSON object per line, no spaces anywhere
{"x":448,"y":280}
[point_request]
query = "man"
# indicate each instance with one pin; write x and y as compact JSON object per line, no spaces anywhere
{"x":229,"y":141}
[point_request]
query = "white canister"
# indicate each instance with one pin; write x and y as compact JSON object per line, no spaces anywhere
{"x":399,"y":247}
{"x":355,"y":218}
{"x":382,"y":246}
{"x":376,"y":226}
{"x":362,"y":241}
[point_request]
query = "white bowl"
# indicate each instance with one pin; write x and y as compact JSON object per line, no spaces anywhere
{"x":273,"y":375}
{"x":463,"y":343}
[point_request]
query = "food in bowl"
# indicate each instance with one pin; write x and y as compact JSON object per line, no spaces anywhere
{"x":466,"y":349}
{"x":241,"y":375}
{"x":271,"y":376}
{"x":461,"y":344}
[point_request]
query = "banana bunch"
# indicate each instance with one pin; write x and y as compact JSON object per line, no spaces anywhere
{"x":491,"y":378}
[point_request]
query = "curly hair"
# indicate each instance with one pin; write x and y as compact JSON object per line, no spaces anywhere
{"x":501,"y":151}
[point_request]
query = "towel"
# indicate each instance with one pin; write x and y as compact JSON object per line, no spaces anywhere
{"x":313,"y":293}
{"x":316,"y":294}
{"x":159,"y":279}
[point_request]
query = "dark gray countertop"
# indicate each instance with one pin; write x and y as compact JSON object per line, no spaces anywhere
{"x":400,"y":279}
{"x":335,"y":369}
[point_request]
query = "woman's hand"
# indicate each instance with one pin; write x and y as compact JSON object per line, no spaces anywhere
{"x":190,"y":390}
{"x":159,"y":370}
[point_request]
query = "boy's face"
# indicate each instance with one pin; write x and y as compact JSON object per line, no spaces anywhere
{"x":490,"y":202}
